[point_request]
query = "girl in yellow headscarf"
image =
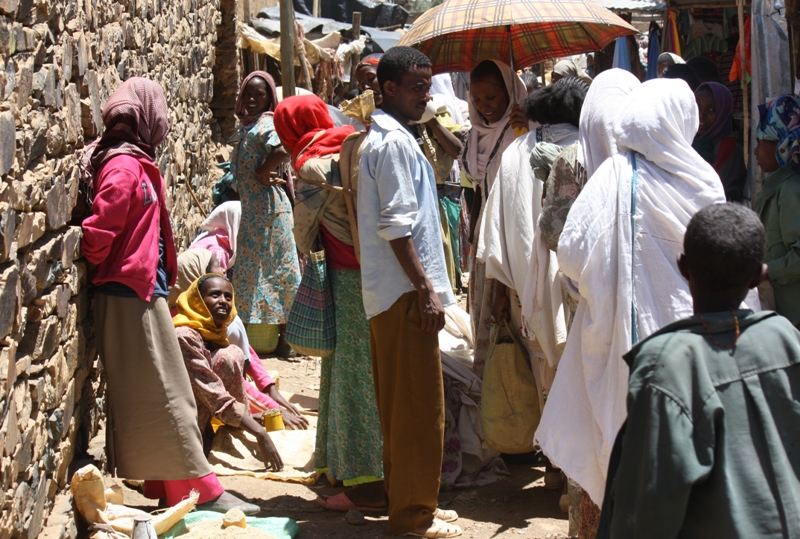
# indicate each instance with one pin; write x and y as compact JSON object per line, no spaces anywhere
{"x":216,"y":367}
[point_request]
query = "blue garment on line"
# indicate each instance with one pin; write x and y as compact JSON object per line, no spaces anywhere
{"x":622,"y":58}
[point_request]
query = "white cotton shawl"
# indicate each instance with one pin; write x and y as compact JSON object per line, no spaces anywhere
{"x":616,"y":274}
{"x":227,"y":217}
{"x":484,"y":136}
{"x":512,"y":210}
{"x":606,"y":99}
{"x":443,"y":85}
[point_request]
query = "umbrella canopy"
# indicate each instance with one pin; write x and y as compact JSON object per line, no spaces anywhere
{"x":459,"y":34}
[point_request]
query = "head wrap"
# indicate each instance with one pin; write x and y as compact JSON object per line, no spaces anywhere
{"x":227,"y":217}
{"x":671,"y":58}
{"x":606,"y":98}
{"x":193,"y":313}
{"x":442,"y":85}
{"x":659,"y":121}
{"x":241,"y":107}
{"x":568,"y":68}
{"x":780,"y":121}
{"x":305,"y":127}
{"x":136,"y":121}
{"x":371,"y":60}
{"x":724,"y":104}
{"x":485,"y":136}
{"x":192,"y":264}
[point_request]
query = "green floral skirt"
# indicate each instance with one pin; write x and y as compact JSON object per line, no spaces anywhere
{"x":349,"y":443}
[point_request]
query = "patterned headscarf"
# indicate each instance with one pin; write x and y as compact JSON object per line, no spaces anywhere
{"x":136,"y":121}
{"x":780,"y":121}
{"x":241,"y":107}
{"x":193,"y":313}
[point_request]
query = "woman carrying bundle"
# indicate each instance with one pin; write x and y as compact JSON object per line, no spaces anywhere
{"x":349,"y":443}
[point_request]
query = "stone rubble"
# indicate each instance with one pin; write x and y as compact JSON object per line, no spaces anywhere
{"x":59,"y":62}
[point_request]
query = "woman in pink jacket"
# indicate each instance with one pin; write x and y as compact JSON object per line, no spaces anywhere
{"x":152,"y":431}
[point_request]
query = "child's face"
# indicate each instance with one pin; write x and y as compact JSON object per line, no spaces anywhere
{"x":765,"y":155}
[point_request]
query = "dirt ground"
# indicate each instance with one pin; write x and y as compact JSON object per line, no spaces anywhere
{"x":518,"y":506}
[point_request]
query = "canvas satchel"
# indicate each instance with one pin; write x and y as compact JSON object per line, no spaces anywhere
{"x":509,"y":401}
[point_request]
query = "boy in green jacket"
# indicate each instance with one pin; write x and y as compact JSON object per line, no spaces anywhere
{"x":711,"y":446}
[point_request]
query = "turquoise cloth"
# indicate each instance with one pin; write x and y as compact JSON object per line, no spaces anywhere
{"x":280,"y":527}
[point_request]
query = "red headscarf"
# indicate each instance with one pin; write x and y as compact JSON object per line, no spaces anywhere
{"x":241,"y":109}
{"x":298,"y":119}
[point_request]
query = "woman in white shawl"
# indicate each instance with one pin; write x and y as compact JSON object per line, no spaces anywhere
{"x":619,"y":247}
{"x":219,"y":232}
{"x":512,"y":210}
{"x":493,"y":114}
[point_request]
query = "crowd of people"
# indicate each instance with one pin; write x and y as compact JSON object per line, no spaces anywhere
{"x":603,"y":224}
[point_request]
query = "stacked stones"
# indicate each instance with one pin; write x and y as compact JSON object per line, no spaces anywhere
{"x":59,"y":62}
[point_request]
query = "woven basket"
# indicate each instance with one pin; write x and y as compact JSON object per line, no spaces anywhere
{"x":263,"y":337}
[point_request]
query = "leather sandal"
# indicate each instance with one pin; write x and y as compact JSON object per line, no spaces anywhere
{"x":438,"y":529}
{"x":447,"y":515}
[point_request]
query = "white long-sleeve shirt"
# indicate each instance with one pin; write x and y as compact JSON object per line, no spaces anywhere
{"x":397,"y":198}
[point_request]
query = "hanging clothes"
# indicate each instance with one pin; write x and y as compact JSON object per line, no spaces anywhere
{"x":622,"y":57}
{"x":653,"y":50}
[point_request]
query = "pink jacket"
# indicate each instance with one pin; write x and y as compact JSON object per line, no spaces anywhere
{"x":121,"y":236}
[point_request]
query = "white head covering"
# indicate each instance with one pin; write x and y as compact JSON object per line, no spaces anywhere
{"x":484,"y":136}
{"x":620,"y":244}
{"x":442,"y":85}
{"x":227,"y":217}
{"x":606,"y":98}
{"x":660,"y":121}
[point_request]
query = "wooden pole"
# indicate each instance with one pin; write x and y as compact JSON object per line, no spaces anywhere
{"x":356,"y":35}
{"x":745,"y":97}
{"x":301,"y":53}
{"x":287,"y":47}
{"x":315,"y":10}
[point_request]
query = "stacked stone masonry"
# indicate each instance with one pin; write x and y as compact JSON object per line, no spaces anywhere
{"x":59,"y":62}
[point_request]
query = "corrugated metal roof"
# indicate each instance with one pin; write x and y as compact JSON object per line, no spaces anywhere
{"x":634,"y":5}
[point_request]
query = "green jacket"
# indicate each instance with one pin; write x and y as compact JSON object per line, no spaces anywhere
{"x":778,"y":205}
{"x":711,"y":446}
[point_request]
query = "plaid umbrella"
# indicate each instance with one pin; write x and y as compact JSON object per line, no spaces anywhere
{"x":459,"y":34}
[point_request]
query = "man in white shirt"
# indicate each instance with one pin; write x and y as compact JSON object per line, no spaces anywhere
{"x":405,"y":284}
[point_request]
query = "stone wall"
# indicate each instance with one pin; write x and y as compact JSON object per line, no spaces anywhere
{"x":59,"y":61}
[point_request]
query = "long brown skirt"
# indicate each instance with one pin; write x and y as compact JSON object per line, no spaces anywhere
{"x":151,"y":430}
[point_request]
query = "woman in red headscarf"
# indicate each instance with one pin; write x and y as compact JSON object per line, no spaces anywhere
{"x":267,"y":272}
{"x":349,"y":443}
{"x":152,"y":427}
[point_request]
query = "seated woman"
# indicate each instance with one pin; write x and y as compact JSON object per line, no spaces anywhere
{"x":715,"y":141}
{"x":193,"y":264}
{"x":215,"y":367}
{"x":219,"y":231}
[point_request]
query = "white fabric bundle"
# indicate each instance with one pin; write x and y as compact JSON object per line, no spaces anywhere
{"x":624,"y":264}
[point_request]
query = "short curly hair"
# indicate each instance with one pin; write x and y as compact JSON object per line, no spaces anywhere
{"x":724,"y":246}
{"x":559,"y":103}
{"x":398,"y":61}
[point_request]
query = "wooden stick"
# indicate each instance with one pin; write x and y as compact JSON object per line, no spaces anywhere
{"x":287,"y":47}
{"x":356,"y":35}
{"x":745,"y":97}
{"x":315,"y":10}
{"x":197,"y":202}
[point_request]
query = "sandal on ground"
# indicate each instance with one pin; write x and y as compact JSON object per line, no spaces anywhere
{"x":343,"y":504}
{"x":438,"y":529}
{"x":447,"y":515}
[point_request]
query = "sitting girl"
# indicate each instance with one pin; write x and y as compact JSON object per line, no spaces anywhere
{"x":216,"y":368}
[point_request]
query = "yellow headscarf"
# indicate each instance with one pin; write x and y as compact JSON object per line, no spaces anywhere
{"x":193,"y":313}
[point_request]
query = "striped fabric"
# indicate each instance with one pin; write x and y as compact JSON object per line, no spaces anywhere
{"x":459,"y":34}
{"x":311,"y":328}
